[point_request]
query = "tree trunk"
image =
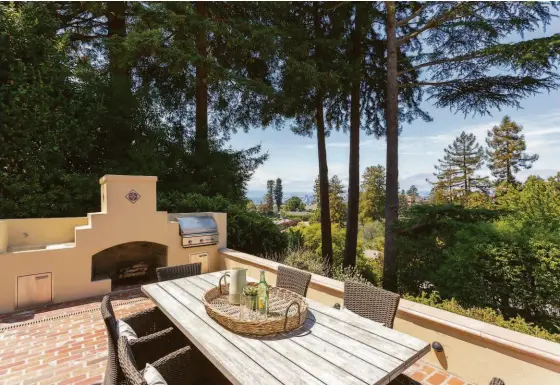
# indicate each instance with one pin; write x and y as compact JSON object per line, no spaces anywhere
{"x":201,"y":146}
{"x":354,"y":161}
{"x":392,"y":181}
{"x":120,"y":103}
{"x":326,"y":235}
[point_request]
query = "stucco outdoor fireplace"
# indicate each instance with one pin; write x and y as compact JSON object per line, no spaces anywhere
{"x":60,"y":259}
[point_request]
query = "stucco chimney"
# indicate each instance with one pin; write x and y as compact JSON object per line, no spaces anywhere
{"x":128,"y":194}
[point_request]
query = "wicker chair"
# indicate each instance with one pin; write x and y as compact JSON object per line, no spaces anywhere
{"x":294,"y":280}
{"x":186,"y":365}
{"x":371,"y":302}
{"x":151,"y":326}
{"x":181,"y":366}
{"x":181,"y":271}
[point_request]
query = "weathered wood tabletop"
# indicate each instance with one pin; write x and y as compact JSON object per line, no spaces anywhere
{"x":334,"y":347}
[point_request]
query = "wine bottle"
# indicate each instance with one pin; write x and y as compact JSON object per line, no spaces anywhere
{"x":263,"y":294}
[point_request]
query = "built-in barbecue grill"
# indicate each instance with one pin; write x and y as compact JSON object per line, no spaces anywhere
{"x":198,"y":231}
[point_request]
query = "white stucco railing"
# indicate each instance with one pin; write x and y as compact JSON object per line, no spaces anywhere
{"x":473,"y":349}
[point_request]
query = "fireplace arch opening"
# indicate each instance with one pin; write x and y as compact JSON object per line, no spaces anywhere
{"x":129,"y":264}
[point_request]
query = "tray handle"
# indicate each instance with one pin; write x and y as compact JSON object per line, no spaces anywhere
{"x":225,"y":281}
{"x":288,"y":309}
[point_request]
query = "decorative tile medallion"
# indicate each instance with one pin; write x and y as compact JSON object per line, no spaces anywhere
{"x":133,"y":196}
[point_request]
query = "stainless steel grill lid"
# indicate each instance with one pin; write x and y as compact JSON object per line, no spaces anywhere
{"x":197,"y":225}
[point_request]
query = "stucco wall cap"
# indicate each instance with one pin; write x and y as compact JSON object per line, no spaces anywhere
{"x":506,"y":338}
{"x":127,"y":179}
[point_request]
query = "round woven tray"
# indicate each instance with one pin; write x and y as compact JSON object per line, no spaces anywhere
{"x":287,"y":311}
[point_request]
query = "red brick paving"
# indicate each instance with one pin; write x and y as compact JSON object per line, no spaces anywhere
{"x":71,"y":348}
{"x":427,"y":374}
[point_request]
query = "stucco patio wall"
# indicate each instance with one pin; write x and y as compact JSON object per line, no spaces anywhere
{"x":473,"y":350}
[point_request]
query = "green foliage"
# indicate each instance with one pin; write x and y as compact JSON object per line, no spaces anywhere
{"x":353,"y":274}
{"x":304,"y":252}
{"x":337,"y":203}
{"x":312,"y":240}
{"x":487,"y":315}
{"x":534,"y":204}
{"x":42,"y":171}
{"x":251,"y":206}
{"x":456,"y":172}
{"x":412,"y":191}
{"x":506,"y":152}
{"x":372,"y":197}
{"x":247,"y":231}
{"x":61,"y":133}
{"x":278,"y":193}
{"x":305,"y":259}
{"x":373,"y":234}
{"x":294,"y":204}
{"x":294,"y":238}
{"x":503,"y":260}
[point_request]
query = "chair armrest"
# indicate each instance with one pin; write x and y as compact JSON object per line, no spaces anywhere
{"x":151,"y":348}
{"x":183,"y":366}
{"x":148,"y":321}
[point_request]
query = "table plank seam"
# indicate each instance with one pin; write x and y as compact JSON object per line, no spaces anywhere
{"x":203,"y":282}
{"x":387,"y":375}
{"x":216,"y":333}
{"x":332,"y":363}
{"x":269,"y":347}
{"x":373,"y":347}
{"x":366,"y":330}
{"x":358,"y":357}
{"x":219,"y":274}
{"x":335,"y":364}
{"x":349,"y":325}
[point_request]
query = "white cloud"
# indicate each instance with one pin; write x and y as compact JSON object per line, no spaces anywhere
{"x":295,"y":161}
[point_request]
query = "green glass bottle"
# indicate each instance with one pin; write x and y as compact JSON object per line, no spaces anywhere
{"x":263,"y":294}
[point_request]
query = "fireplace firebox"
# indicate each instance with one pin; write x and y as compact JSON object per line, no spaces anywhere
{"x":129,"y":263}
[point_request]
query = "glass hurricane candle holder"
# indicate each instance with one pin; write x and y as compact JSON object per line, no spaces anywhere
{"x":248,"y":307}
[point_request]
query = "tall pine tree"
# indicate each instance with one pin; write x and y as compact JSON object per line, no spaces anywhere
{"x":506,"y":151}
{"x":270,"y":194}
{"x":278,"y":193}
{"x":462,"y":159}
{"x":372,"y":197}
{"x":337,"y":202}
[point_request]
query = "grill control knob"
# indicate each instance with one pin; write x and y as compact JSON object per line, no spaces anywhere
{"x":190,"y":242}
{"x":201,"y":240}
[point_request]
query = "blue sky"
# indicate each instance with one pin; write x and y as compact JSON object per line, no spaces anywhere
{"x":294,"y":158}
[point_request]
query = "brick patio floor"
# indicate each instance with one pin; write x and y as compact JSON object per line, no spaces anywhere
{"x":66,"y":344}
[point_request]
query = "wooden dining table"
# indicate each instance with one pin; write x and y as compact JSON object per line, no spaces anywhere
{"x":333,"y":346}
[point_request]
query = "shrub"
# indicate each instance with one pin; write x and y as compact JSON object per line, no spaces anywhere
{"x":303,"y":216}
{"x":373,"y":230}
{"x":312,"y":240}
{"x":305,"y":259}
{"x":487,"y":315}
{"x":294,"y":238}
{"x":350,"y":273}
{"x":248,"y":231}
{"x":305,"y":253}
